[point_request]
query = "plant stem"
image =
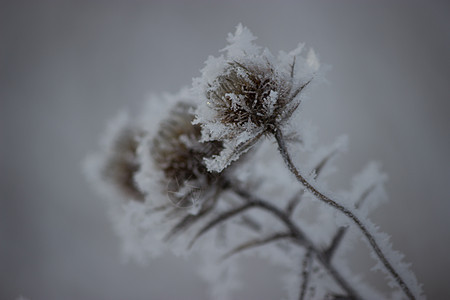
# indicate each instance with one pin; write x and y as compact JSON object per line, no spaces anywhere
{"x":293,"y":169}
{"x":337,"y":238}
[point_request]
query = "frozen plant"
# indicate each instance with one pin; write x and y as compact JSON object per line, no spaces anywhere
{"x":198,"y":171}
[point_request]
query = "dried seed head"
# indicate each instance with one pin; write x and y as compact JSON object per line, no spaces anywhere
{"x":178,"y":153}
{"x":248,"y":93}
{"x":121,"y":165}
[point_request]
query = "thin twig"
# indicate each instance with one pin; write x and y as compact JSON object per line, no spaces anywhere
{"x":189,"y":219}
{"x":246,"y":220}
{"x":295,"y":200}
{"x":288,"y":113}
{"x":319,"y":167}
{"x":292,"y":67}
{"x":219,"y":219}
{"x":293,"y":169}
{"x":306,"y":271}
{"x":250,"y":223}
{"x":256,"y":243}
{"x":339,"y":235}
{"x":185,"y":223}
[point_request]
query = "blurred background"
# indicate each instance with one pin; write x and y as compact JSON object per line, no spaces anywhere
{"x":67,"y":67}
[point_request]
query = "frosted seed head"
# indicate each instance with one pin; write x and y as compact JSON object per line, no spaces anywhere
{"x":178,"y":153}
{"x":121,"y":165}
{"x":247,"y":92}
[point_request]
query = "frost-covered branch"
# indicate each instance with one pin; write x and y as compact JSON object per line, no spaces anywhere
{"x":221,"y":218}
{"x":256,"y":243}
{"x":190,"y":219}
{"x":339,"y":235}
{"x":306,"y":272}
{"x":296,"y":198}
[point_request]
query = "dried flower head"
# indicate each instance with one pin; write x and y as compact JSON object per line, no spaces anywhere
{"x":178,"y":153}
{"x":122,"y":165}
{"x":118,"y":163}
{"x":248,"y":93}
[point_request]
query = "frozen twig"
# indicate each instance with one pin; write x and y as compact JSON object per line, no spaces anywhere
{"x":256,"y":243}
{"x":189,"y":219}
{"x":295,"y":200}
{"x":339,"y":235}
{"x":306,"y":270}
{"x":219,"y":219}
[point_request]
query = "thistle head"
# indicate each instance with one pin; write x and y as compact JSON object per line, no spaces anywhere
{"x":248,"y":93}
{"x":177,"y":152}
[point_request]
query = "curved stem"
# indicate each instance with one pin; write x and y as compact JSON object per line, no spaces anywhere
{"x":293,"y":169}
{"x":337,"y":238}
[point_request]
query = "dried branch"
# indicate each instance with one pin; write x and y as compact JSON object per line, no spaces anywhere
{"x":250,"y":223}
{"x":293,"y":202}
{"x":219,"y":219}
{"x":292,"y":67}
{"x":256,"y":243}
{"x":246,"y":220}
{"x":319,"y":167}
{"x":185,"y":223}
{"x":306,"y":271}
{"x":189,"y":220}
{"x":364,"y":196}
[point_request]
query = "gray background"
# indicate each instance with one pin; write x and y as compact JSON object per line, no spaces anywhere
{"x":66,"y":67}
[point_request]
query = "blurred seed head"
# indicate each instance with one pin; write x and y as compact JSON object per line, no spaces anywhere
{"x":122,"y":164}
{"x":178,"y":153}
